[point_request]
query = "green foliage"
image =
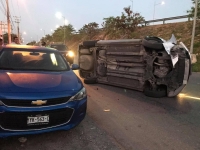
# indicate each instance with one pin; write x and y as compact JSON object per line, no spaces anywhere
{"x":31,"y":43}
{"x":191,"y":12}
{"x":89,"y":29}
{"x":197,"y":47}
{"x":58,"y":35}
{"x":196,"y":66}
{"x":126,"y":23}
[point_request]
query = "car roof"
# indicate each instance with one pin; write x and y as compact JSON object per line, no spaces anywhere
{"x":10,"y":46}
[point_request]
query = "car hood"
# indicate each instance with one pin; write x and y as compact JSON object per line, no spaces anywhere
{"x":40,"y":82}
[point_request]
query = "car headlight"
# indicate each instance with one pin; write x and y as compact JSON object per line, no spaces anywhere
{"x":71,"y":54}
{"x":80,"y":95}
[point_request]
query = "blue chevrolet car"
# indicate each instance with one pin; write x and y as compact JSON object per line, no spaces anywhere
{"x":39,"y":92}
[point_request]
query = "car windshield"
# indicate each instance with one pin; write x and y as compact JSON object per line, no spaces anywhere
{"x":60,"y":47}
{"x":15,"y":59}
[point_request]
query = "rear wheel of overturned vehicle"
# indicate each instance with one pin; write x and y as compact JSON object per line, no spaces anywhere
{"x":158,"y":92}
{"x":90,"y":80}
{"x":152,"y":42}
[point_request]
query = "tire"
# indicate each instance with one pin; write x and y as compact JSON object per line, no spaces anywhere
{"x":90,"y":81}
{"x":153,"y":43}
{"x":86,"y":62}
{"x":162,"y":92}
{"x":90,"y":43}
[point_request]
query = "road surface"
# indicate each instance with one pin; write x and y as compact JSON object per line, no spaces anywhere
{"x":119,"y":118}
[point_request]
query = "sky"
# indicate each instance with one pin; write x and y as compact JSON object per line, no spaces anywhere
{"x":40,"y":14}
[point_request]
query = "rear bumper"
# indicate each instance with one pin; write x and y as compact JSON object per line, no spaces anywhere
{"x":77,"y":116}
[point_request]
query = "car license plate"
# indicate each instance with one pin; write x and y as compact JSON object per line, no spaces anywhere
{"x":37,"y":119}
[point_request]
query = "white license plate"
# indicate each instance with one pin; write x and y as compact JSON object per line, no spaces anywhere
{"x":38,"y":119}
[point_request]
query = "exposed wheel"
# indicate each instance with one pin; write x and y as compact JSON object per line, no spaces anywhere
{"x":90,"y":81}
{"x":90,"y":43}
{"x":152,"y":42}
{"x":86,"y":62}
{"x":158,"y":93}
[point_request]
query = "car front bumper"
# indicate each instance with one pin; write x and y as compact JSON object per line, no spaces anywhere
{"x":79,"y":111}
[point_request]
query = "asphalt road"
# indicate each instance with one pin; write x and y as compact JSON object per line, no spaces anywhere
{"x":119,"y":118}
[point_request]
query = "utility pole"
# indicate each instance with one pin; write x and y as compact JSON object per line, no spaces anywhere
{"x":64,"y":30}
{"x":1,"y":29}
{"x":8,"y":21}
{"x":194,"y":26}
{"x":17,"y":20}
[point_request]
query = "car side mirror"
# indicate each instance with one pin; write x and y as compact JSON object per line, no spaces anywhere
{"x":75,"y":67}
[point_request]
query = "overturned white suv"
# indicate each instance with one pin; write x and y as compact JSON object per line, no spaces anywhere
{"x":157,"y":67}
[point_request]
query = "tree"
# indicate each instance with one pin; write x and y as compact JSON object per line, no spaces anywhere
{"x":31,"y":43}
{"x":89,"y":29}
{"x":191,"y":12}
{"x":48,"y":38}
{"x":58,"y":34}
{"x":124,"y":24}
{"x":109,"y":26}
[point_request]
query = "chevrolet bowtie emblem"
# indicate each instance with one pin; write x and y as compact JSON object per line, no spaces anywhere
{"x":38,"y":102}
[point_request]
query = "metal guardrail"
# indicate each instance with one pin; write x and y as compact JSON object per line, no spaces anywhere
{"x":165,"y":19}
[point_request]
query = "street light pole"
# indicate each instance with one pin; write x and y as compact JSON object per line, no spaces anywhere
{"x":162,"y":3}
{"x":64,"y":29}
{"x":194,"y":26}
{"x":132,"y":5}
{"x":17,"y":20}
{"x":43,"y":31}
{"x":154,"y":9}
{"x":59,"y":15}
{"x":8,"y":22}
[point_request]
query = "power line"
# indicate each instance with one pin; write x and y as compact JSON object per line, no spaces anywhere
{"x":18,"y":7}
{"x":13,"y":7}
{"x":3,"y":5}
{"x":11,"y":15}
{"x":13,"y":25}
{"x":3,"y":11}
{"x":12,"y":22}
{"x":8,"y":20}
{"x":17,"y":20}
